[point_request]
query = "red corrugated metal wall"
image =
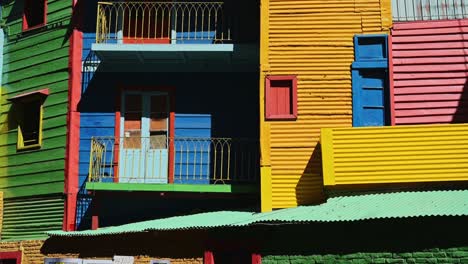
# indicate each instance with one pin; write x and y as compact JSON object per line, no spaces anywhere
{"x":430,"y":70}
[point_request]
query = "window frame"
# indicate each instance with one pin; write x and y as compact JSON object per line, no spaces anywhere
{"x":20,"y":141}
{"x":19,"y":102}
{"x":26,"y":27}
{"x":293,"y":98}
{"x":16,"y":255}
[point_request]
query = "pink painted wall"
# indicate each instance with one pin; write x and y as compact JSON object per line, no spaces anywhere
{"x":430,"y":72}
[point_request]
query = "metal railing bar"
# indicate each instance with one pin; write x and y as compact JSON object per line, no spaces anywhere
{"x":232,"y":160}
{"x":142,"y":21}
{"x":416,"y":10}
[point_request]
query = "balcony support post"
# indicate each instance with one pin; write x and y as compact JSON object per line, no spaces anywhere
{"x":95,"y":214}
{"x":119,"y":21}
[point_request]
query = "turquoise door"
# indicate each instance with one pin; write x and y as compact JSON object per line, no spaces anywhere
{"x":144,"y":138}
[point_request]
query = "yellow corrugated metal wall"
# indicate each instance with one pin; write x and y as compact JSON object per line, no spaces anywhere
{"x":374,"y":154}
{"x":312,"y":39}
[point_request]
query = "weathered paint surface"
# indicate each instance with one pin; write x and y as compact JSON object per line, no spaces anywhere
{"x":34,"y":60}
{"x":313,"y":40}
{"x":426,"y":153}
{"x":430,"y":70}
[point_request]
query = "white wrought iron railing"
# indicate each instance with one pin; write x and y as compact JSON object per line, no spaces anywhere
{"x":162,"y":22}
{"x":158,"y":159}
{"x":418,"y":10}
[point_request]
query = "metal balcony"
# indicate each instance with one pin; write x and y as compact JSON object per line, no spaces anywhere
{"x":162,"y":23}
{"x":161,"y":160}
{"x":422,"y":10}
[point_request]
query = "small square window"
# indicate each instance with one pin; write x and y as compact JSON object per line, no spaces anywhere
{"x":30,"y":124}
{"x":28,"y":109}
{"x":281,"y":98}
{"x":34,"y":14}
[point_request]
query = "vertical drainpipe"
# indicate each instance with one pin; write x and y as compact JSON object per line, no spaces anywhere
{"x":73,"y":120}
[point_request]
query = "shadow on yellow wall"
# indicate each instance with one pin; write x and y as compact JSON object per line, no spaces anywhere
{"x":311,"y":176}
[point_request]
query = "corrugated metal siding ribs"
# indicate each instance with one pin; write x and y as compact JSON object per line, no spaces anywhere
{"x":398,"y":154}
{"x":30,"y":218}
{"x":430,"y":72}
{"x":313,"y":40}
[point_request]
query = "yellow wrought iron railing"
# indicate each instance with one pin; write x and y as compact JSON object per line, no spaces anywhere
{"x":158,"y":159}
{"x":162,"y":22}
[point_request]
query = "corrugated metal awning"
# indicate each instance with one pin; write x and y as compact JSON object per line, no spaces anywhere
{"x":337,"y":209}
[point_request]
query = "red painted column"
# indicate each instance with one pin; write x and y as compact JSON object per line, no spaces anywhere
{"x":172,"y":101}
{"x":95,"y":214}
{"x":73,"y":121}
{"x":256,"y":258}
{"x":16,"y":255}
{"x":390,"y":80}
{"x":208,"y":257}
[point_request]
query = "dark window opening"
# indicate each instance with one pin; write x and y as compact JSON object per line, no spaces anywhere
{"x":232,"y":258}
{"x":29,"y":124}
{"x":34,"y":13}
{"x":7,"y":261}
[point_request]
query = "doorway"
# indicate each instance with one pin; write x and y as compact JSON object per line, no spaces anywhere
{"x":144,"y":137}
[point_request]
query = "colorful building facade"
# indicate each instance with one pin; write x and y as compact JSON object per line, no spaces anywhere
{"x":120,"y":105}
{"x":118,"y":112}
{"x":313,"y":43}
{"x":168,"y":110}
{"x":34,"y":129}
{"x":396,"y":66}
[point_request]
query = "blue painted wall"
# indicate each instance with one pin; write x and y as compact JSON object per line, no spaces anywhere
{"x":207,"y":104}
{"x":192,"y":156}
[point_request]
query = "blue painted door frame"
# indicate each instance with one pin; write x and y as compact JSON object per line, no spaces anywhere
{"x":148,"y":162}
{"x":370,"y":81}
{"x":370,"y":97}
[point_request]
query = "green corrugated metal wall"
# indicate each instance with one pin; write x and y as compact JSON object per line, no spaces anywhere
{"x":29,"y":218}
{"x":34,"y":60}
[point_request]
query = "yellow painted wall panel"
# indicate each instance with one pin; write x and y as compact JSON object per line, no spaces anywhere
{"x":312,"y":39}
{"x":398,"y":154}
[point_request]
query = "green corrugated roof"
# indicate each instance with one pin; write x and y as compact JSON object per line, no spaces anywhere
{"x":196,"y":221}
{"x":375,"y":206}
{"x":344,"y":208}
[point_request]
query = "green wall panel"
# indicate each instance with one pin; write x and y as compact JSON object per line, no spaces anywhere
{"x":29,"y":218}
{"x":35,"y":60}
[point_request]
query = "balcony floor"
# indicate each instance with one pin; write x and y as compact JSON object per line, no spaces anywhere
{"x":194,"y":188}
{"x":177,"y":57}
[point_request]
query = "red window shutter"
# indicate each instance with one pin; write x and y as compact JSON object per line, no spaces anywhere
{"x":281,"y":98}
